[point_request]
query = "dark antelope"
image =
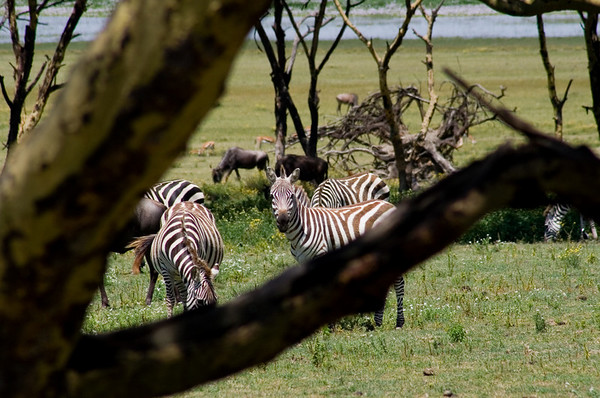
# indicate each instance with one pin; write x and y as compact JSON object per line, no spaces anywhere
{"x":311,"y":169}
{"x":237,"y":158}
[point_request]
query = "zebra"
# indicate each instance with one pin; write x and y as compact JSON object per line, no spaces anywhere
{"x":553,"y":223}
{"x":314,"y":231}
{"x":187,"y":251}
{"x":351,"y":190}
{"x":175,"y":191}
{"x":169,"y":193}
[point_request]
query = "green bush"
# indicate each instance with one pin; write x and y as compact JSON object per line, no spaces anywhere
{"x":519,"y":225}
{"x":228,"y":201}
{"x":508,"y":225}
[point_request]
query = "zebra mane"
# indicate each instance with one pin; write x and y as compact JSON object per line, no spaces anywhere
{"x":198,"y":262}
{"x":301,"y":195}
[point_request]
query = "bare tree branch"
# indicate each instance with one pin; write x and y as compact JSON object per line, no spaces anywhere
{"x":525,"y":8}
{"x":47,"y":87}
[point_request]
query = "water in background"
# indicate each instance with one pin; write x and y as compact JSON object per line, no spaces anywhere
{"x":478,"y":25}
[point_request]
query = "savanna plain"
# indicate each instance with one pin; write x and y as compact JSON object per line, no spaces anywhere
{"x":484,"y":318}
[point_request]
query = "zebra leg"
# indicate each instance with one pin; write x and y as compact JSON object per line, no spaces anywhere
{"x":152,"y":285}
{"x":378,"y":316}
{"x":582,"y":225}
{"x":103,"y":295}
{"x":171,"y":300}
{"x":399,"y":288}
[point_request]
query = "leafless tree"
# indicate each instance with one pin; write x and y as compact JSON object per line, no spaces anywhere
{"x":307,"y":31}
{"x":369,"y":129}
{"x":557,"y":103}
{"x":383,"y":62}
{"x":588,"y":11}
{"x":24,"y":50}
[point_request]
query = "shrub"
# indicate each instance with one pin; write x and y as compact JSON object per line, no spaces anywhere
{"x":457,"y":333}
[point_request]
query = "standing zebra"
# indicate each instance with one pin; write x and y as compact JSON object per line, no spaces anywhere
{"x":553,"y":224}
{"x":169,"y":193}
{"x":355,"y":189}
{"x":314,"y":231}
{"x":175,"y":191}
{"x":187,"y":251}
{"x":350,"y":190}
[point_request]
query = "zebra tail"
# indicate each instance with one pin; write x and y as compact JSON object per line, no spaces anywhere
{"x":140,"y":245}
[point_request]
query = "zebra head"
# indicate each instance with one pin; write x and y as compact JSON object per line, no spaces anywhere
{"x":283,"y":197}
{"x":201,"y":291}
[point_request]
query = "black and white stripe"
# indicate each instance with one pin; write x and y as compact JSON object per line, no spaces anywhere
{"x":338,"y":192}
{"x":175,"y":191}
{"x":356,"y":189}
{"x":554,"y":223}
{"x":314,"y":231}
{"x":187,"y":251}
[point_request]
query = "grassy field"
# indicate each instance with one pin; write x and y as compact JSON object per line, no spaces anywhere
{"x":485,"y":319}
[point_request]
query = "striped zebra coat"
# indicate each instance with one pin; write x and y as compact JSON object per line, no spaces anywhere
{"x":355,"y":189}
{"x":175,"y":191}
{"x":554,"y":222}
{"x":350,"y":190}
{"x":186,"y":251}
{"x":169,"y":193}
{"x":314,"y":231}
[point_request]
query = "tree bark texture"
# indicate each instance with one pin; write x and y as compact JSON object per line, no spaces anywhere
{"x":127,"y":111}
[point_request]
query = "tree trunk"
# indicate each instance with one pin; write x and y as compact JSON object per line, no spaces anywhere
{"x":125,"y":114}
{"x":592,"y":44}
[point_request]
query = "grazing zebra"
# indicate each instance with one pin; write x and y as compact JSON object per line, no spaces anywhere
{"x":351,"y":190}
{"x":187,"y":251}
{"x":554,"y":218}
{"x":314,"y":231}
{"x":175,"y":191}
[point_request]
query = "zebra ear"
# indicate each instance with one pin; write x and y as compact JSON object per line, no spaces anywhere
{"x":270,"y":175}
{"x":282,"y":172}
{"x":294,"y":176}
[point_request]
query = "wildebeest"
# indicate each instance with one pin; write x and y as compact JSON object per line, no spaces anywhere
{"x":311,"y":169}
{"x":144,"y":221}
{"x":237,"y":158}
{"x":349,"y":99}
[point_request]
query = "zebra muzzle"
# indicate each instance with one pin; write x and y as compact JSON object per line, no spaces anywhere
{"x":282,"y":222}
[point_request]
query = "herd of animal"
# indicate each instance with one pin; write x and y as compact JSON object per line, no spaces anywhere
{"x":176,"y":234}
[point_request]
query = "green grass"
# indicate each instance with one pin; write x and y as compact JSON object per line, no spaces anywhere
{"x":474,"y":316}
{"x":483,"y":319}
